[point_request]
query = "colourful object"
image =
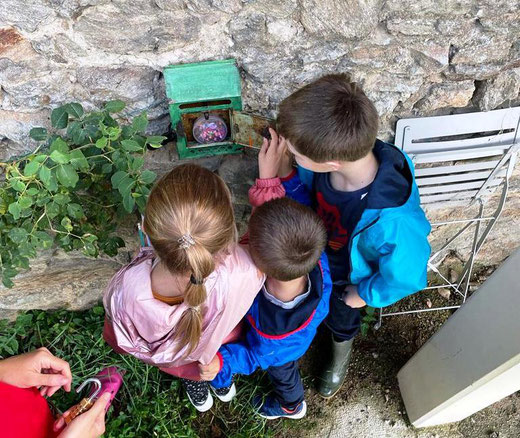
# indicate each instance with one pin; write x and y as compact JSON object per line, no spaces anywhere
{"x":210,"y":88}
{"x":107,"y":380}
{"x":209,"y":129}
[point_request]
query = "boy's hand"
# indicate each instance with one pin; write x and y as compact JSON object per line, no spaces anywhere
{"x":208,"y":372}
{"x":273,"y":156}
{"x":352,"y":298}
{"x":39,"y":368}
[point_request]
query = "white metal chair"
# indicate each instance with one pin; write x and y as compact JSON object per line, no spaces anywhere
{"x":460,"y":160}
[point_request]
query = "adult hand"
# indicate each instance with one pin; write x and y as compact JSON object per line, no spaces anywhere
{"x":39,"y":369}
{"x":352,"y":298}
{"x":271,"y":156}
{"x":208,"y":372}
{"x":90,"y":424}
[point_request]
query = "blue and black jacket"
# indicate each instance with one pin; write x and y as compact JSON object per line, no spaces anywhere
{"x":388,"y":249}
{"x":276,"y":336}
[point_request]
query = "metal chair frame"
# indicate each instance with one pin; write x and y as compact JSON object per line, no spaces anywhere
{"x":490,"y":142}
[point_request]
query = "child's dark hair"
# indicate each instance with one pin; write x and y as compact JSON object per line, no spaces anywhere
{"x":286,"y":239}
{"x":329,"y":119}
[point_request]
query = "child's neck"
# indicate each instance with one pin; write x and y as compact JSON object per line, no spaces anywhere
{"x":355,"y":175}
{"x":167,"y":284}
{"x":286,"y":290}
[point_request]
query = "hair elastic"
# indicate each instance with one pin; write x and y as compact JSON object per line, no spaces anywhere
{"x":193,"y":280}
{"x":186,"y":241}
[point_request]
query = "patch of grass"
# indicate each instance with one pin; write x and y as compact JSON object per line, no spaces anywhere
{"x":150,"y":403}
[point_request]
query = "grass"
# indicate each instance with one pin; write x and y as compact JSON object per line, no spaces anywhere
{"x":150,"y":403}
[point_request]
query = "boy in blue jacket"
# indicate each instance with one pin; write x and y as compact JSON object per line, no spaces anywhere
{"x":365,"y":193}
{"x":286,"y":241}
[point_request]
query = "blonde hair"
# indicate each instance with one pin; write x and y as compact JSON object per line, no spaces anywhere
{"x":189,"y":219}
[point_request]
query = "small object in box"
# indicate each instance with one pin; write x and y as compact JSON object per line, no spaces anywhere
{"x":107,"y":380}
{"x":265,"y":133}
{"x":209,"y":128}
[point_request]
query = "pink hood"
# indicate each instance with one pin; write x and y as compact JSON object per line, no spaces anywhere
{"x":144,"y":327}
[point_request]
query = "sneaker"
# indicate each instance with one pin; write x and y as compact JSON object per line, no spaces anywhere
{"x":225,"y":394}
{"x":199,"y":395}
{"x":272,"y":409}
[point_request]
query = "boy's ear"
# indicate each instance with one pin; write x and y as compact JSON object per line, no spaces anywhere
{"x":335,"y":165}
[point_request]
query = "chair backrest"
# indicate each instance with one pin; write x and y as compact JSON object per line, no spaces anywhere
{"x":460,"y":157}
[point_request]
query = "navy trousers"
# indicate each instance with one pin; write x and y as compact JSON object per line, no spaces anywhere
{"x":343,"y":321}
{"x":287,"y":383}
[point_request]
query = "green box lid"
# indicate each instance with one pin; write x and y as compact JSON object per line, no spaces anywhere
{"x":202,"y":81}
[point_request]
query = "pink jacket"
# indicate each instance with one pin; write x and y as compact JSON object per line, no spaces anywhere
{"x":142,"y":326}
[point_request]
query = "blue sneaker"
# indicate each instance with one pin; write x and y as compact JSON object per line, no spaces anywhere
{"x":272,"y":409}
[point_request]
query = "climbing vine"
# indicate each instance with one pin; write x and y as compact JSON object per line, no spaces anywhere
{"x":85,"y":176}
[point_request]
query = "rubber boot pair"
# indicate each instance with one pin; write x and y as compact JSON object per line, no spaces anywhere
{"x":334,"y":373}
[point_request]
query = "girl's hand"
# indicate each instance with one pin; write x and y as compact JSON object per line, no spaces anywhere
{"x":272,"y":155}
{"x":90,"y":424}
{"x":209,"y":372}
{"x":39,"y":368}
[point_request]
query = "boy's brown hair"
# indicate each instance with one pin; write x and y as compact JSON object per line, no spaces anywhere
{"x":286,"y":239}
{"x":329,"y":119}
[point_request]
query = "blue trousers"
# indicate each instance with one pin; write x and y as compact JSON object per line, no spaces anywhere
{"x":287,"y":384}
{"x":343,"y":321}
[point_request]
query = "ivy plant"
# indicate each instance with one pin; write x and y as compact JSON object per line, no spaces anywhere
{"x":84,"y":177}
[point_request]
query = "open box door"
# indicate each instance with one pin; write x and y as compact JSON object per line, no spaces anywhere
{"x":247,"y":129}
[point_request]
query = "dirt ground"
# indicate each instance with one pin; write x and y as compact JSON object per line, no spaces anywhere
{"x":370,"y":405}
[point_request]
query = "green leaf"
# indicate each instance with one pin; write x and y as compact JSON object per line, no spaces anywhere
{"x":52,"y":209}
{"x":31,"y":168}
{"x":38,"y":134}
{"x":15,"y":210}
{"x":17,"y":184}
{"x":18,"y":235}
{"x":59,"y":157}
{"x":155,"y":140}
{"x":101,"y":142}
{"x":74,"y":109}
{"x":25,"y":202}
{"x":106,"y":168}
{"x":113,"y":133}
{"x":7,"y":282}
{"x":114,"y":106}
{"x":59,"y":145}
{"x":140,"y":123}
{"x":75,"y":211}
{"x":61,"y":198}
{"x":76,"y":131}
{"x":125,"y":185}
{"x":148,"y":177}
{"x":131,"y":146}
{"x":117,"y":177}
{"x":59,"y":117}
{"x":128,"y":202}
{"x":45,"y":241}
{"x":45,"y":175}
{"x":32,"y":191}
{"x":136,"y":163}
{"x":78,"y":160}
{"x":67,"y":224}
{"x":67,"y":175}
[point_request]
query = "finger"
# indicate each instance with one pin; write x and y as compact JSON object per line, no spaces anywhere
{"x":274,"y":135}
{"x":60,"y":422}
{"x":58,"y":366}
{"x":51,"y":380}
{"x":52,"y":390}
{"x":100,"y":405}
{"x":265,"y":146}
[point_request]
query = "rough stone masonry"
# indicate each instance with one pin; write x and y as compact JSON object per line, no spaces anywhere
{"x":420,"y":57}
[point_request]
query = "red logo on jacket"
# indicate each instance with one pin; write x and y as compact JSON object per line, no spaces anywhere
{"x":330,"y":214}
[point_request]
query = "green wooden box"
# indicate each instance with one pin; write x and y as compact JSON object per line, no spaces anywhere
{"x":210,"y":87}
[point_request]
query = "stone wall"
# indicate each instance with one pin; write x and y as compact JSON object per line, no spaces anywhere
{"x":421,"y":57}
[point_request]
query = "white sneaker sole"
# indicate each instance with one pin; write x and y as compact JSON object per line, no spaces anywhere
{"x":206,"y":406}
{"x":297,"y":416}
{"x":229,"y":396}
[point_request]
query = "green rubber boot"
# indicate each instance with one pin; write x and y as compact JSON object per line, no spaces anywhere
{"x":333,"y":375}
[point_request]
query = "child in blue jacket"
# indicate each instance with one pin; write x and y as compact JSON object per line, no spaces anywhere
{"x":286,"y":241}
{"x":364,"y":191}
